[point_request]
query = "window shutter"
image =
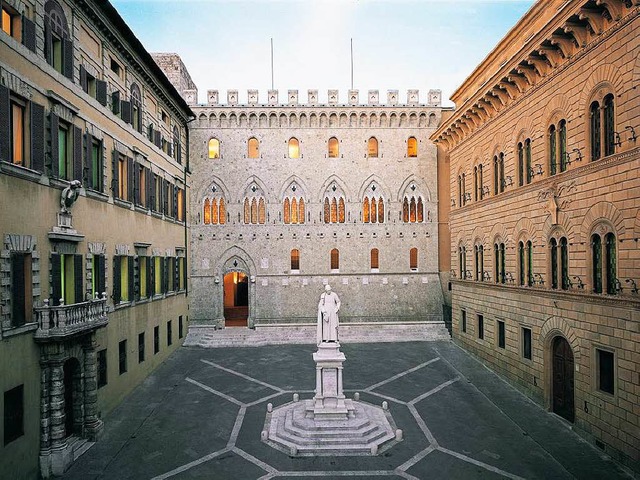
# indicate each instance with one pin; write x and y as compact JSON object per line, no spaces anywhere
{"x":165,"y":274}
{"x":5,"y":124}
{"x":165,"y":197}
{"x":77,"y":154}
{"x":37,"y":137}
{"x":48,"y":44}
{"x":175,"y":202}
{"x":67,"y":48}
{"x":149,"y":192}
{"x":18,"y":290}
{"x":83,"y":78}
{"x":101,"y":92}
{"x":100,"y":280}
{"x":151,"y":275}
{"x":78,"y":278}
{"x":54,"y":125}
{"x":56,"y":281}
{"x":150,"y":132}
{"x":152,"y":190}
{"x":179,"y":153}
{"x":115,"y":102}
{"x":184,"y":272}
{"x":133,"y":292}
{"x":29,"y":33}
{"x":157,"y":138}
{"x":176,"y":274}
{"x":88,"y":166}
{"x":114,"y":173}
{"x":125,"y":108}
{"x":131,"y":176}
{"x":136,"y":183}
{"x":184,"y":205}
{"x":116,"y":279}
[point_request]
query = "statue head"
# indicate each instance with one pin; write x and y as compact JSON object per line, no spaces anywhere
{"x":327,"y":288}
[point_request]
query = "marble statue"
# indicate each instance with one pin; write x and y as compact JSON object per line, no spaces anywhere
{"x":69,"y":195}
{"x":328,"y":308}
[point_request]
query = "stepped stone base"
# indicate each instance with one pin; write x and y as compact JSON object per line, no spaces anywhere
{"x":293,"y":429}
{"x":209,"y":336}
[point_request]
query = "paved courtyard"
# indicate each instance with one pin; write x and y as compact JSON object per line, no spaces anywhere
{"x":201,"y":413}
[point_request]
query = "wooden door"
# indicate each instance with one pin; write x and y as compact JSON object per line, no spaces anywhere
{"x":563,"y":369}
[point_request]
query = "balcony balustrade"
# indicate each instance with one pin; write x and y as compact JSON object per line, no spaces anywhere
{"x":63,"y":321}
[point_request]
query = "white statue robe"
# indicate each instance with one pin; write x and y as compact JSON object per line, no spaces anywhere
{"x":328,"y":317}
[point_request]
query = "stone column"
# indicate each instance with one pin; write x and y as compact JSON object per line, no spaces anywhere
{"x":57,"y":406}
{"x":45,"y":411}
{"x":92,"y":424}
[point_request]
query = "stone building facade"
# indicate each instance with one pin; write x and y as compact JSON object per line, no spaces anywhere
{"x":288,"y":196}
{"x":544,"y":156}
{"x":93,"y":182}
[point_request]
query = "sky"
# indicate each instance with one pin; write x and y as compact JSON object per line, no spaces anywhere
{"x":397,"y":44}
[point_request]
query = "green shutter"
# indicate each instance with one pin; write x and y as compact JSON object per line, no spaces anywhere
{"x":132,"y":286}
{"x":78,"y":277}
{"x":54,"y":155}
{"x":37,"y":137}
{"x":56,"y":280}
{"x":116,"y":279}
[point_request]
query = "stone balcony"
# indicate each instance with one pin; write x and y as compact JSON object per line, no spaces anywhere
{"x":64,"y":321}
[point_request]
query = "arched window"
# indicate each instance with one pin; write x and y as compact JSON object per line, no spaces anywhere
{"x":301,"y":211}
{"x":564,"y":263}
{"x":136,"y":107}
{"x":365,"y":210}
{"x":496,"y":176}
{"x":253,"y":148}
{"x":374,"y":259}
{"x":527,"y":160}
{"x":552,"y":150}
{"x":327,"y":214}
{"x":529,"y":263}
{"x":294,"y":148}
{"x":261,"y":212}
{"x":480,"y":193}
{"x":412,"y":147}
{"x":462,"y":262}
{"x":503,"y":183}
{"x":479,"y":260}
{"x":594,"y":131}
{"x":521,"y":263}
{"x":405,"y":210}
{"x":520,"y":164}
{"x":214,"y":148}
{"x":254,"y":211}
{"x":604,"y":266}
{"x":247,"y":211}
{"x":334,"y":211}
{"x":372,"y":148}
{"x":609,"y":126}
{"x":287,"y":211}
{"x":58,"y":47}
{"x":335,"y":260}
{"x":214,"y":212}
{"x":207,"y":212}
{"x":499,"y":269}
{"x":553,"y":246}
{"x":562,"y":140}
{"x":412,"y":210}
{"x":372,"y":210}
{"x":295,"y":259}
{"x":413,"y":259}
{"x":294,"y":211}
{"x":334,"y":150}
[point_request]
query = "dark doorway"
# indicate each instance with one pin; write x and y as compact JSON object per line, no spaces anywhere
{"x":236,"y":299}
{"x":563,"y":379}
{"x":72,"y":397}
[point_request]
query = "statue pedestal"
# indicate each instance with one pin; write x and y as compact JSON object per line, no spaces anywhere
{"x":329,"y":402}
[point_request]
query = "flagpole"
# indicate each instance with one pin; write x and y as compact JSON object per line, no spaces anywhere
{"x":352,"y":64}
{"x":272,"y":63}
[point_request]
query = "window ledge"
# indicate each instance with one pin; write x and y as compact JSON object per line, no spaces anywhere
{"x":335,"y":270}
{"x":143,"y":300}
{"x":141,"y":209}
{"x":295,"y":272}
{"x":26,"y":328}
{"x":122,"y":305}
{"x":122,"y":203}
{"x":96,"y":195}
{"x":156,"y":214}
{"x":20,"y":171}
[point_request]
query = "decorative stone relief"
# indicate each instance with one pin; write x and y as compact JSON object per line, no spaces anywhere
{"x":252,"y":97}
{"x":122,"y":249}
{"x":97,"y":248}
{"x":272,"y":97}
{"x":264,"y":263}
{"x":293,"y":97}
{"x":392,"y":97}
{"x":413,"y":97}
{"x":312,"y":97}
{"x":435,"y":98}
{"x":212,"y":97}
{"x":232,"y":97}
{"x":191,"y":97}
{"x":354,"y":97}
{"x":333,"y":96}
{"x":374,"y":96}
{"x":16,"y":84}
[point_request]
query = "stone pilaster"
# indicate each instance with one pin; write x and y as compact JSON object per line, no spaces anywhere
{"x":92,"y":424}
{"x":45,"y":412}
{"x":56,"y":406}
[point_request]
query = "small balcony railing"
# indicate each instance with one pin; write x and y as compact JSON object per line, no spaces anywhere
{"x":62,"y":320}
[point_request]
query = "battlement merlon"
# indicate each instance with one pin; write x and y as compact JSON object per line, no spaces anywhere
{"x":434,"y":98}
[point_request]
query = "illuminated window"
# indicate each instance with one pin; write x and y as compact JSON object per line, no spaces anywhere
{"x":294,"y":148}
{"x":293,"y":211}
{"x":412,"y":147}
{"x":413,"y":259}
{"x":333,"y":147}
{"x":335,"y":260}
{"x":253,"y":148}
{"x":412,"y":210}
{"x":18,"y":133}
{"x":214,"y":148}
{"x":295,"y":259}
{"x":206,"y":214}
{"x":254,"y":211}
{"x":341,"y":210}
{"x":375,"y":264}
{"x":373,"y":210}
{"x":287,"y":211}
{"x":372,"y":147}
{"x":180,"y":205}
{"x":123,"y":178}
{"x":10,"y":22}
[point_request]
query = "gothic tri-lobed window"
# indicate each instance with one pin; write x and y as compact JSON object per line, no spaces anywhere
{"x":412,"y":210}
{"x":254,"y":211}
{"x":214,"y":211}
{"x":373,"y":210}
{"x":604,"y":269}
{"x":293,"y":210}
{"x":334,"y":210}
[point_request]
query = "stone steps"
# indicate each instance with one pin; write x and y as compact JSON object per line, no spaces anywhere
{"x":207,"y":336}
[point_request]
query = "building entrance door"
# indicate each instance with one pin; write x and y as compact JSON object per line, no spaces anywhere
{"x":563,"y":379}
{"x":236,"y":299}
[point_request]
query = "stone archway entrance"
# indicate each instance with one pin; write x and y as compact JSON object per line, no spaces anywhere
{"x":562,"y":393}
{"x":236,"y":299}
{"x":72,"y":397}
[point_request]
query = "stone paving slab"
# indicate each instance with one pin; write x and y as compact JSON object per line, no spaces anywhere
{"x":200,"y":414}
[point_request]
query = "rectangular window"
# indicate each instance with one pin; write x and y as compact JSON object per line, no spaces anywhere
{"x":181,"y":273}
{"x":158,"y":268}
{"x":98,"y":276}
{"x":141,"y":347}
{"x":156,"y":340}
{"x":21,"y":289}
{"x":10,"y":22}
{"x":122,"y":357}
{"x":180,"y":327}
{"x":605,"y":369}
{"x":96,"y":179}
{"x":102,"y":367}
{"x":501,"y":334}
{"x":123,"y":286}
{"x":142,"y":276}
{"x":171,"y":274}
{"x":480,"y":327}
{"x":65,"y":158}
{"x":526,"y":343}
{"x":56,"y":51}
{"x":67,"y":278}
{"x":18,"y":134}
{"x":180,"y":205}
{"x":169,"y":333}
{"x":13,"y":414}
{"x":115,"y":67}
{"x":463,"y":321}
{"x":123,"y":179}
